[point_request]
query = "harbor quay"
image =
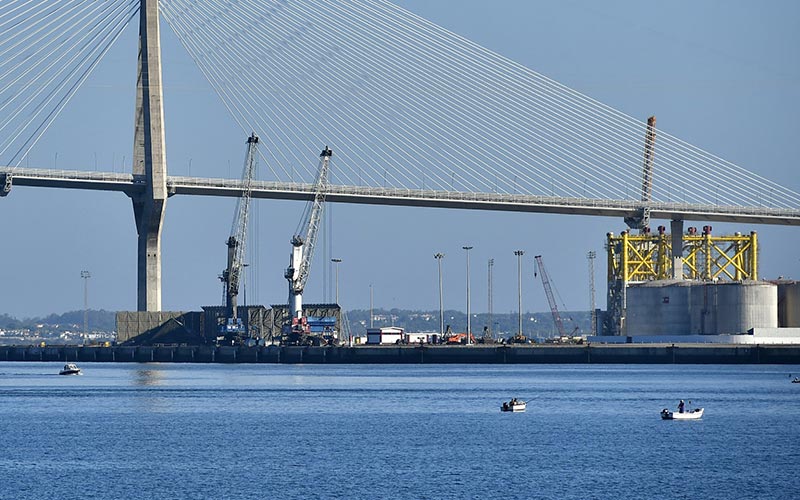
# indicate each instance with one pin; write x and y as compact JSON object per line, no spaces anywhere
{"x":425,"y":354}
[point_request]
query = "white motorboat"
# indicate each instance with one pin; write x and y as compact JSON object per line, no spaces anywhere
{"x":514,"y":406}
{"x":70,"y":369}
{"x":687,"y":415}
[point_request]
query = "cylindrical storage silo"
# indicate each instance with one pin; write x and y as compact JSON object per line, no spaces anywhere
{"x":658,"y":308}
{"x":745,"y":305}
{"x":702,"y":311}
{"x":789,"y":304}
{"x":700,"y":308}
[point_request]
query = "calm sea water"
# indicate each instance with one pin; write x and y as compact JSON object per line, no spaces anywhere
{"x":271,"y":431}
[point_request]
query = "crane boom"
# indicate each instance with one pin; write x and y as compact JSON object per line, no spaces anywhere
{"x":649,"y":156}
{"x":304,"y":240}
{"x":548,"y":290}
{"x":641,"y":220}
{"x":238,"y":238}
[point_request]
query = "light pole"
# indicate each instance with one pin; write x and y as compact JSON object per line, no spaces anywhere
{"x":244,"y":298}
{"x":342,"y":317}
{"x":519,"y":254}
{"x":591,"y":256}
{"x":439,"y":256}
{"x":469,"y":329}
{"x":491,"y":266}
{"x":337,"y":262}
{"x":85,"y":275}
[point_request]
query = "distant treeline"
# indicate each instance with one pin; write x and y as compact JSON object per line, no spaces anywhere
{"x":101,"y":320}
{"x":503,"y":324}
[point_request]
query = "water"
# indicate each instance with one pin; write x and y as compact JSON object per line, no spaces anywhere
{"x":373,"y":431}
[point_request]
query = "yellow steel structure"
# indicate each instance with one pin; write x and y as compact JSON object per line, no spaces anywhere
{"x":647,"y":257}
{"x":636,"y":258}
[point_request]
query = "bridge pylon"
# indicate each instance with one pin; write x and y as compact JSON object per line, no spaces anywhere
{"x":149,"y":159}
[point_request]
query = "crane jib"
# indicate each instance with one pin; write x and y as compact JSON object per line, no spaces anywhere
{"x":236,"y":243}
{"x":303,"y":244}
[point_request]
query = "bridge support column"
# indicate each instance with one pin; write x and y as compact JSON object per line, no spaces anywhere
{"x":676,"y":231}
{"x":149,"y":159}
{"x":5,"y":183}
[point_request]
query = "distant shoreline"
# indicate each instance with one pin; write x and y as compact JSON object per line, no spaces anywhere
{"x":477,"y":354}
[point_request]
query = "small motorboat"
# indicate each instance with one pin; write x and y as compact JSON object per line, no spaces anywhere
{"x":796,"y":380}
{"x":687,"y":415}
{"x":70,"y":369}
{"x":514,"y":405}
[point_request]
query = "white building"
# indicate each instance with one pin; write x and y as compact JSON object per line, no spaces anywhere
{"x":385,"y":335}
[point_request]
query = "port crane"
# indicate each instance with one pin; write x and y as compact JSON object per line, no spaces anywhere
{"x":548,"y":291}
{"x":641,"y":221}
{"x":233,"y":329}
{"x":303,"y":242}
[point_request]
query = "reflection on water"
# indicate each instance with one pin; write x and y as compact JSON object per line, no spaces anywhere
{"x":148,"y":377}
{"x":151,"y":429}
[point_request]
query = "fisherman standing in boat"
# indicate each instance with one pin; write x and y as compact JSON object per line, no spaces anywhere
{"x":680,"y":407}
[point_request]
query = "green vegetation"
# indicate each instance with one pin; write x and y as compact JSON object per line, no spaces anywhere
{"x":101,"y":320}
{"x":9,"y":323}
{"x":504,"y":324}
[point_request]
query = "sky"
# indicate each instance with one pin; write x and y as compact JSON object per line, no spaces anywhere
{"x":722,"y":75}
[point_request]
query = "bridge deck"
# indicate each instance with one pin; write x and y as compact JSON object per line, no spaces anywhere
{"x":198,"y":186}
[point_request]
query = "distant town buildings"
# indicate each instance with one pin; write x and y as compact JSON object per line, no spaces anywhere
{"x":54,"y":335}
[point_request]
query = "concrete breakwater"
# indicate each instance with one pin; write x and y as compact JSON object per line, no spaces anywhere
{"x":478,"y":354}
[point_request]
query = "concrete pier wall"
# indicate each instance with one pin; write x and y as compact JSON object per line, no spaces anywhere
{"x":480,"y":354}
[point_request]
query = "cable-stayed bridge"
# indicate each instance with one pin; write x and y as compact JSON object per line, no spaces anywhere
{"x":180,"y":185}
{"x":415,"y":114}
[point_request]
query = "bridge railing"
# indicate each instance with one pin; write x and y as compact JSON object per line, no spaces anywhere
{"x":126,"y":181}
{"x":71,"y":175}
{"x":480,"y":197}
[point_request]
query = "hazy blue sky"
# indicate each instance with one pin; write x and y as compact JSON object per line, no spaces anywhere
{"x":722,"y":75}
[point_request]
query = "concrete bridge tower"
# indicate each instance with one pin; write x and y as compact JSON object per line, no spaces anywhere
{"x":149,"y":159}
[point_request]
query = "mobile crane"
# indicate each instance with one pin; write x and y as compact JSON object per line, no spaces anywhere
{"x":296,"y":331}
{"x":548,"y":291}
{"x":233,"y":330}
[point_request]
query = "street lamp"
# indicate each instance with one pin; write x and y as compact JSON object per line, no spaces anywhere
{"x":86,"y":275}
{"x":469,"y":329}
{"x":519,"y":254}
{"x":439,"y":256}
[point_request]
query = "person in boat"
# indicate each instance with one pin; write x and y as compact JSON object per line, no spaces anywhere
{"x":680,"y":406}
{"x":505,"y":406}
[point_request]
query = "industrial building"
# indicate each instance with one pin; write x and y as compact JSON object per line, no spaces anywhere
{"x":695,"y":287}
{"x":384,"y":335}
{"x":261,"y":326}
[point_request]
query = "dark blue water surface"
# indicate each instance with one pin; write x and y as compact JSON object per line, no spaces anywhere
{"x":373,"y":431}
